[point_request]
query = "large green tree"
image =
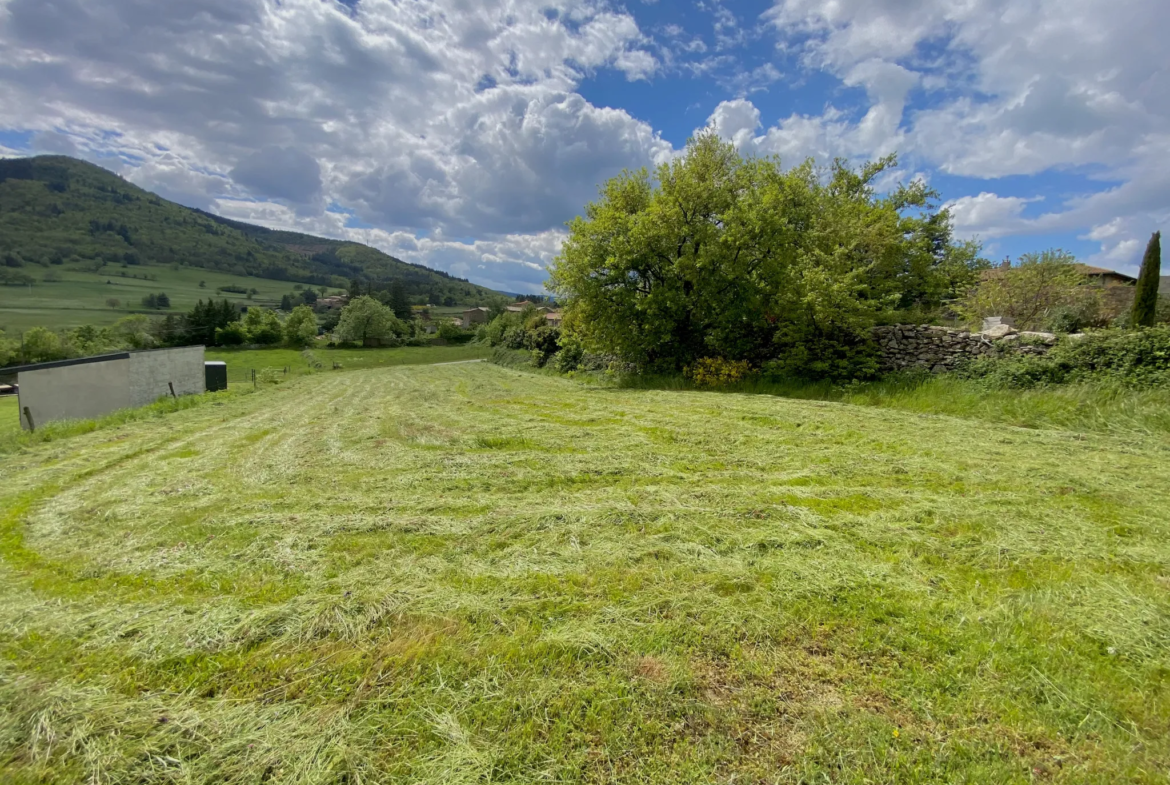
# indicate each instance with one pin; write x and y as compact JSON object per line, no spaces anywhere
{"x":300,"y":328}
{"x":722,"y":256}
{"x":366,"y":321}
{"x":263,"y":326}
{"x":1145,"y":301}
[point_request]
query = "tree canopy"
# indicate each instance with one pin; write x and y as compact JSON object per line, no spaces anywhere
{"x":722,"y":256}
{"x":366,"y":321}
{"x":300,"y":328}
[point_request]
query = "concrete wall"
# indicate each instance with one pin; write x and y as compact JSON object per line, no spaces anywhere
{"x":82,"y":391}
{"x":150,"y":373}
{"x":74,"y":392}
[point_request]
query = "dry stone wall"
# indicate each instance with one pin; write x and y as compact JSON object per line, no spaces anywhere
{"x":941,"y":349}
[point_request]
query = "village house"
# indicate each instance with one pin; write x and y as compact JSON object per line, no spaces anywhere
{"x":1103,"y":277}
{"x":474,"y":316}
{"x":334,"y":303}
{"x":521,"y":306}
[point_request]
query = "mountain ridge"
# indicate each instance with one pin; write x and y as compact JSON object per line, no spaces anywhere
{"x":58,"y":210}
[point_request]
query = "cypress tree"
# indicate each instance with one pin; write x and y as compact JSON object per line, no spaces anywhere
{"x":1145,"y":300}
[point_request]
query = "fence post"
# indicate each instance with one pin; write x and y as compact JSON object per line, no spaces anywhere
{"x":253,"y":378}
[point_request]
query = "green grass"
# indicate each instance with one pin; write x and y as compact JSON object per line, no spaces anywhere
{"x":241,"y":361}
{"x":80,"y":297}
{"x":9,"y":416}
{"x":1100,"y":406}
{"x":464,"y":573}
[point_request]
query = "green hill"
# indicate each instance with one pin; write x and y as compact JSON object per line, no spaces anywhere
{"x":72,"y":235}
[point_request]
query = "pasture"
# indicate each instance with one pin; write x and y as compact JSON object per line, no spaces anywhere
{"x":463,"y":573}
{"x":240,"y":361}
{"x":80,"y":296}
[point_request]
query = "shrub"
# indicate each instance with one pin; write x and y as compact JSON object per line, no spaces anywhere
{"x":453,"y":333}
{"x":300,"y":329}
{"x":570,"y":357}
{"x":9,"y":350}
{"x":231,"y":335}
{"x":41,"y":345}
{"x":1131,"y":357}
{"x":544,"y":342}
{"x":717,"y":372}
{"x":263,"y":326}
{"x":1045,"y":291}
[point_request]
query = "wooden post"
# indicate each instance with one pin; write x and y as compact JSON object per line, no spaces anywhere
{"x":172,"y":386}
{"x":28,"y":416}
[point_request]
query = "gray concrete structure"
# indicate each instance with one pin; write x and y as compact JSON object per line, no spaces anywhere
{"x":152,"y":373}
{"x":93,"y":386}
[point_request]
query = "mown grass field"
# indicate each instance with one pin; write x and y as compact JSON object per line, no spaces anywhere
{"x":464,"y":573}
{"x":9,"y":415}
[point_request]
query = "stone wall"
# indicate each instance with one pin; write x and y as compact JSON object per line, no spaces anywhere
{"x":941,"y":349}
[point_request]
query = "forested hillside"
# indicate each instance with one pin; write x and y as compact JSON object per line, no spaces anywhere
{"x":59,"y":211}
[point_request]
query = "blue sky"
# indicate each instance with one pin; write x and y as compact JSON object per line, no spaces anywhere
{"x":463,"y":135}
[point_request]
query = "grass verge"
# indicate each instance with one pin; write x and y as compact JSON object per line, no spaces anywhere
{"x":1090,"y":406}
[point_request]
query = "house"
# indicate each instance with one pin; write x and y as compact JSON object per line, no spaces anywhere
{"x":1164,"y":285}
{"x":474,"y":316}
{"x":334,"y":303}
{"x":521,"y":307}
{"x":1103,"y":277}
{"x":553,"y":318}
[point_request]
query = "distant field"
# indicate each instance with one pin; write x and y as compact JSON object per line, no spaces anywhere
{"x":80,"y":297}
{"x":242,"y":362}
{"x":462,"y":573}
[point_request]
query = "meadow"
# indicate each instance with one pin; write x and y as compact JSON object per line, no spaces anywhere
{"x":241,"y":362}
{"x":464,"y":573}
{"x":79,"y":297}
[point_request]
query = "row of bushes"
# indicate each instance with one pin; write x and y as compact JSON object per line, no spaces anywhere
{"x":1139,"y":358}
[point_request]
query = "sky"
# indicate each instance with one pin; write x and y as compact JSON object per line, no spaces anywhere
{"x":464,"y":134}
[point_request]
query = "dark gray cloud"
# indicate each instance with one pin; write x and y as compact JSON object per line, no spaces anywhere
{"x":282,"y":173}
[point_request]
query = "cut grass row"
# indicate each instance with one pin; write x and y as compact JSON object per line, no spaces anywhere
{"x":240,"y":363}
{"x":467,"y":574}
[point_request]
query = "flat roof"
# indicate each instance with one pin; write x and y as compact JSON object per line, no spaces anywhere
{"x":101,"y":358}
{"x":98,"y":358}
